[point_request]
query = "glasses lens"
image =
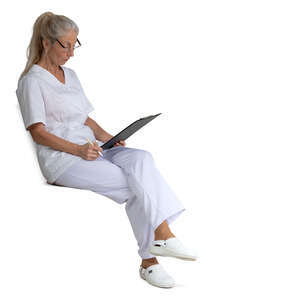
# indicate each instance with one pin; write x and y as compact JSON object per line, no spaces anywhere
{"x":67,"y":47}
{"x":77,"y":45}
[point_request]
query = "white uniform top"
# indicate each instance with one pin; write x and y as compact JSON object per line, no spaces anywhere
{"x":63,"y":108}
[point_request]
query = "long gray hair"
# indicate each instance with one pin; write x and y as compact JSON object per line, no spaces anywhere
{"x":47,"y":26}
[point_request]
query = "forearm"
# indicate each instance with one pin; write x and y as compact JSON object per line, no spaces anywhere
{"x":99,"y":132}
{"x":48,"y":139}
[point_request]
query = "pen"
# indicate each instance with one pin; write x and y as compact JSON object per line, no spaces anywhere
{"x":92,"y":144}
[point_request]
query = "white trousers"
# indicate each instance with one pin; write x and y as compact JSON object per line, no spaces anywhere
{"x":128,"y":175}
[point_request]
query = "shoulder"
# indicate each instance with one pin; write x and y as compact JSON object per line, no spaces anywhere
{"x":28,"y":81}
{"x":33,"y":75}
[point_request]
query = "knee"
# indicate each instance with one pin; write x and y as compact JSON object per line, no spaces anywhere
{"x":143,"y":155}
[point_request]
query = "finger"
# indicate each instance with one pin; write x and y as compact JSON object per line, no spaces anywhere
{"x":97,"y":148}
{"x":93,"y":156}
{"x":95,"y":152}
{"x":95,"y":144}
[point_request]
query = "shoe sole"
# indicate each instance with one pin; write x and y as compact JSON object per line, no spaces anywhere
{"x":170,"y":254}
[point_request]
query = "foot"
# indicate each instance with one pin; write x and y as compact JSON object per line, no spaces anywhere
{"x":163,"y":232}
{"x":171,"y":247}
{"x":156,"y":275}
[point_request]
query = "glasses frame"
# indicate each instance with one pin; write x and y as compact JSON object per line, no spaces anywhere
{"x":68,"y":47}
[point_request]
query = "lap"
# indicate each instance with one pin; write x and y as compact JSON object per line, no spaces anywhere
{"x":89,"y":174}
{"x":125,"y":156}
{"x":108,"y":175}
{"x":104,"y":172}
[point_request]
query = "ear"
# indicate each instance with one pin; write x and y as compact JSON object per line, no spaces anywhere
{"x":46,"y":44}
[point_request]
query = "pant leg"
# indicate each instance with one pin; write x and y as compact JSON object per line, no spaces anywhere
{"x":155,"y":201}
{"x":128,"y":175}
{"x":100,"y":176}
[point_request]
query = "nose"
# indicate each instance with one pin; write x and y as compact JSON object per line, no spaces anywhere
{"x":70,"y":52}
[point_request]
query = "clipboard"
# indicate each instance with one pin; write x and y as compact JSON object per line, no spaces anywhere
{"x":128,"y":131}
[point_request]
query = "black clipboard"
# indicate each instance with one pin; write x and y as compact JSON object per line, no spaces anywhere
{"x":128,"y":131}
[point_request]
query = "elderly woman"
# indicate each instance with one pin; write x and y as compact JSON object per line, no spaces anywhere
{"x":55,"y":110}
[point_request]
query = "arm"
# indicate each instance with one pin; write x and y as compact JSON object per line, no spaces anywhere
{"x":100,"y":133}
{"x":41,"y":136}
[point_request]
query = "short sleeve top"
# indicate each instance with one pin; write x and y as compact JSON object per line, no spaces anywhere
{"x":62,"y":107}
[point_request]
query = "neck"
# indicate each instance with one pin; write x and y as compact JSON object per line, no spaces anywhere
{"x":46,"y":63}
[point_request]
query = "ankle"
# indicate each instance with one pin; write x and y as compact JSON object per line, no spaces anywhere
{"x":163,"y":236}
{"x":149,"y":262}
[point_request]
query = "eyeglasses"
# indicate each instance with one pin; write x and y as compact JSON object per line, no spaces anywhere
{"x":77,"y":45}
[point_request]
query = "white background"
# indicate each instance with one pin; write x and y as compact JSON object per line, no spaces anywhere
{"x":225,"y":76}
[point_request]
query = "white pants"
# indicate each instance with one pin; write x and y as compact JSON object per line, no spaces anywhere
{"x":128,"y":175}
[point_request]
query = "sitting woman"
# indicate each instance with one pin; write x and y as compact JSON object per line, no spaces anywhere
{"x":55,"y":110}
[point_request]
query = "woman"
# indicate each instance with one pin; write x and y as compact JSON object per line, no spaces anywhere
{"x":55,"y":111}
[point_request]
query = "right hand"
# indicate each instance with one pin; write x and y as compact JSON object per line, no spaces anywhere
{"x":89,"y":152}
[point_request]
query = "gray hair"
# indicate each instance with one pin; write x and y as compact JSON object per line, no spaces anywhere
{"x":47,"y":26}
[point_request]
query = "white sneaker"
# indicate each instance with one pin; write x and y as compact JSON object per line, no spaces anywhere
{"x":171,"y":247}
{"x":157,"y":276}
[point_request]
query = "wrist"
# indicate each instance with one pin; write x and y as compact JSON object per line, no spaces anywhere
{"x":107,"y":138}
{"x":77,"y":150}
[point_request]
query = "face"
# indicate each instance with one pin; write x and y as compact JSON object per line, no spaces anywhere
{"x":56,"y":53}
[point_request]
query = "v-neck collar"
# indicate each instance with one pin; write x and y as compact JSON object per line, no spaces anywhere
{"x":46,"y":72}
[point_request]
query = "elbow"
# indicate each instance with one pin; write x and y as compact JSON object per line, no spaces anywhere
{"x":86,"y":121}
{"x":35,"y":136}
{"x":36,"y":131}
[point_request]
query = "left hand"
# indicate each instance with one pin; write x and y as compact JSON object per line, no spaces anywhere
{"x":120,"y":143}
